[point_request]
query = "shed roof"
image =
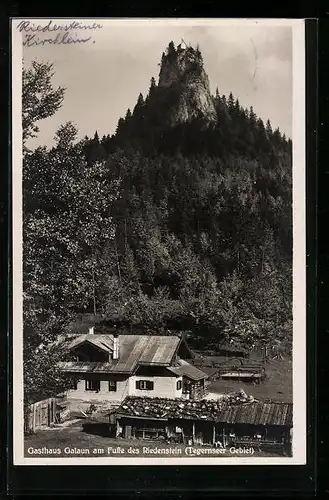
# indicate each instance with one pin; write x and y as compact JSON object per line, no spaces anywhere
{"x":186,"y":369}
{"x":254,"y":413}
{"x":148,"y":350}
{"x":246,"y":368}
{"x":241,"y":374}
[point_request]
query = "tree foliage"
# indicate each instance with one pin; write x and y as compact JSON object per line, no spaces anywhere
{"x":39,"y":99}
{"x":67,"y":225}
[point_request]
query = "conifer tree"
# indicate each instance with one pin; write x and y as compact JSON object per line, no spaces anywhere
{"x":237,"y":106}
{"x":277,"y":136}
{"x":252,"y":116}
{"x":140,"y":100}
{"x":95,"y":150}
{"x":260,"y":124}
{"x":120,"y":126}
{"x":230,"y":102}
{"x":269,"y":127}
{"x":152,"y":87}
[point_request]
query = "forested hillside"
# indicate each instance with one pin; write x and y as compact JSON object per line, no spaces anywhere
{"x":203,"y":225}
{"x":178,"y":221}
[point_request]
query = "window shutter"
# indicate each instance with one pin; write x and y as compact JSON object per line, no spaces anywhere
{"x":149,"y":385}
{"x":137,"y":384}
{"x":112,"y":385}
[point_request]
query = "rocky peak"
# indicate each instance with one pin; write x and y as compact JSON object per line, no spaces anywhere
{"x":182,"y":70}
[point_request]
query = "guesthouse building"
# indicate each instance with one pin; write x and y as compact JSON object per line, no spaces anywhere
{"x":110,"y":367}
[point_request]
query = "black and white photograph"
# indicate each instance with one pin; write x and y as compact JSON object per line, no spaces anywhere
{"x":158,"y":188}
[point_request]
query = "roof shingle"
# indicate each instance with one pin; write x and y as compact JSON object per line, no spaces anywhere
{"x":133,"y":350}
{"x":185,"y":369}
{"x":254,"y":413}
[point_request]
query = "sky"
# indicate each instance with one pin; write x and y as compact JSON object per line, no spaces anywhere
{"x":104,"y":76}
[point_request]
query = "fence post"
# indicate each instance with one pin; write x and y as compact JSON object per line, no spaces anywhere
{"x":53,"y":408}
{"x":48,"y":412}
{"x":33,"y":420}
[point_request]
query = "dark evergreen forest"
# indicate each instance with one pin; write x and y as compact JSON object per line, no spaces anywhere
{"x":203,"y":226}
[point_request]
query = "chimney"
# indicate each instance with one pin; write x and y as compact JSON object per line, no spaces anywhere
{"x":91,"y":330}
{"x":115,"y":346}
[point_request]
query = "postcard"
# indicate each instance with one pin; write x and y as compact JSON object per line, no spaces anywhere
{"x":158,"y":186}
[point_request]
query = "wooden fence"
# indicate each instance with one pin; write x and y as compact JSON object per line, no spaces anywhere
{"x":41,"y":414}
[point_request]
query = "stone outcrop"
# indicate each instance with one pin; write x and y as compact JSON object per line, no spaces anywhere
{"x":182,"y":72}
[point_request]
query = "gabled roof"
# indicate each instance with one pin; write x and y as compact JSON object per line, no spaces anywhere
{"x":133,"y":350}
{"x":253,"y":413}
{"x":185,"y":369}
{"x":103,"y":342}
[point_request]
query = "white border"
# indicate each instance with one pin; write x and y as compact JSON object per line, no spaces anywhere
{"x":299,"y":254}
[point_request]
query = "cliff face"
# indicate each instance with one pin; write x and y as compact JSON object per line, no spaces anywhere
{"x":182,"y":72}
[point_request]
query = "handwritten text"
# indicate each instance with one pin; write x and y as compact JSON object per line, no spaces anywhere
{"x":63,"y":38}
{"x":29,"y":27}
{"x":60,"y":34}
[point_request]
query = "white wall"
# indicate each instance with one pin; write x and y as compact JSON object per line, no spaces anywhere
{"x":103,"y":394}
{"x":164,"y":387}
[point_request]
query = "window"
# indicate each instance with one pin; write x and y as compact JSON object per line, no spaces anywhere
{"x":93,"y":385}
{"x":112,"y":385}
{"x":144,"y":385}
{"x":179,"y":385}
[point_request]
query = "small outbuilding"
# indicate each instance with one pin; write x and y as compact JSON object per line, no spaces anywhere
{"x":239,"y":370}
{"x":262,"y":425}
